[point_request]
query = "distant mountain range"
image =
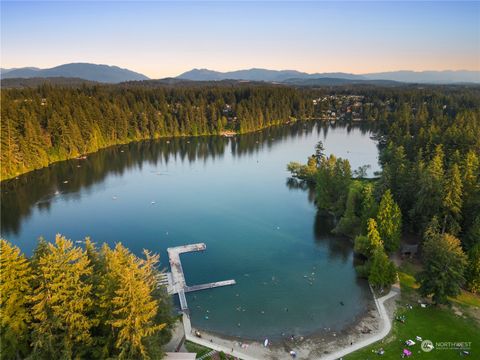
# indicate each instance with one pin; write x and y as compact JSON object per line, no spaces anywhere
{"x":86,"y":71}
{"x":332,"y":81}
{"x":293,"y":76}
{"x":114,"y":74}
{"x":259,"y":75}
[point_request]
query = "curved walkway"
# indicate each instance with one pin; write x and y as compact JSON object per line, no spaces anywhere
{"x":188,"y":335}
{"x":385,"y":328}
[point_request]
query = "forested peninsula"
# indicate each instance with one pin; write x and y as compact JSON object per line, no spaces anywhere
{"x":429,"y":188}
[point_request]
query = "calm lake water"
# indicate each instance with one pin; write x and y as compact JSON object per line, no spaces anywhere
{"x":232,"y":194}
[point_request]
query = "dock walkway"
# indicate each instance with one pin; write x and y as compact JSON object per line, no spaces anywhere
{"x":175,"y":280}
{"x":209,"y":285}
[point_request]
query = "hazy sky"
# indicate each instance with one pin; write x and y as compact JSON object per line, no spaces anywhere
{"x":163,"y":39}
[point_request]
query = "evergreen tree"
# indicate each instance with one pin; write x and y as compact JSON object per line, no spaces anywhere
{"x":304,"y":172}
{"x":350,"y":223}
{"x":127,"y":299}
{"x":369,"y":206}
{"x":444,"y":267}
{"x":40,"y":251}
{"x":430,"y":194}
{"x":389,"y":220}
{"x":100,"y":332}
{"x":11,"y":157}
{"x":367,"y":245}
{"x":15,"y":292}
{"x":61,"y":302}
{"x":452,"y":201}
{"x":432,"y":230}
{"x":319,"y":152}
{"x":473,"y":269}
{"x":471,"y":195}
{"x":382,"y":269}
{"x":332,"y":185}
{"x":472,"y":236}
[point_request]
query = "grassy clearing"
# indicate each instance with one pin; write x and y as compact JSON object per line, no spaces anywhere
{"x":202,"y":350}
{"x":436,"y":323}
{"x":432,"y":323}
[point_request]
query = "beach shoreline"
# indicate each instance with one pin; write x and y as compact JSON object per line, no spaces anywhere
{"x":320,"y":344}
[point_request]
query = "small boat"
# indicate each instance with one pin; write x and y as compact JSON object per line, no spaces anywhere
{"x":265,"y":343}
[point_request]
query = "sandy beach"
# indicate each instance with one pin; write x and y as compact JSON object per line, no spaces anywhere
{"x":315,"y":346}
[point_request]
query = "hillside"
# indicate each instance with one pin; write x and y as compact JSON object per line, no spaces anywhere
{"x":424,"y":77}
{"x":86,"y":71}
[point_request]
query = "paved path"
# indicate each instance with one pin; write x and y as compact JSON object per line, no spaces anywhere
{"x":386,"y":326}
{"x":190,"y":337}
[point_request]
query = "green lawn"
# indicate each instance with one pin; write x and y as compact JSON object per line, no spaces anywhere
{"x":432,"y":323}
{"x":438,"y":324}
{"x":202,"y":350}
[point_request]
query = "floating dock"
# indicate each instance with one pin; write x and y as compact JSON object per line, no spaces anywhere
{"x":175,"y":280}
{"x":209,"y":285}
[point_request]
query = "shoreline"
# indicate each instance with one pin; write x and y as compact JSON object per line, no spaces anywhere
{"x":371,"y":326}
{"x":231,"y":134}
{"x":315,"y":334}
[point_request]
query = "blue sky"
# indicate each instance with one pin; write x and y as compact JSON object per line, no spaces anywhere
{"x":166,"y":38}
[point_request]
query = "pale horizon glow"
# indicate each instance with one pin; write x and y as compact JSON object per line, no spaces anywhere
{"x":163,"y":39}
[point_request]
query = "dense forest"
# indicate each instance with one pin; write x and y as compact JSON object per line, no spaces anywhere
{"x":71,"y":302}
{"x":429,"y":188}
{"x":51,"y":123}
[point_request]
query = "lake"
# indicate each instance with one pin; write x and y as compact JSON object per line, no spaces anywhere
{"x":232,"y":194}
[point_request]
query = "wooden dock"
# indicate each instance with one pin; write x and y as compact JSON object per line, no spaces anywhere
{"x":175,"y":280}
{"x":177,"y":285}
{"x":209,"y":285}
